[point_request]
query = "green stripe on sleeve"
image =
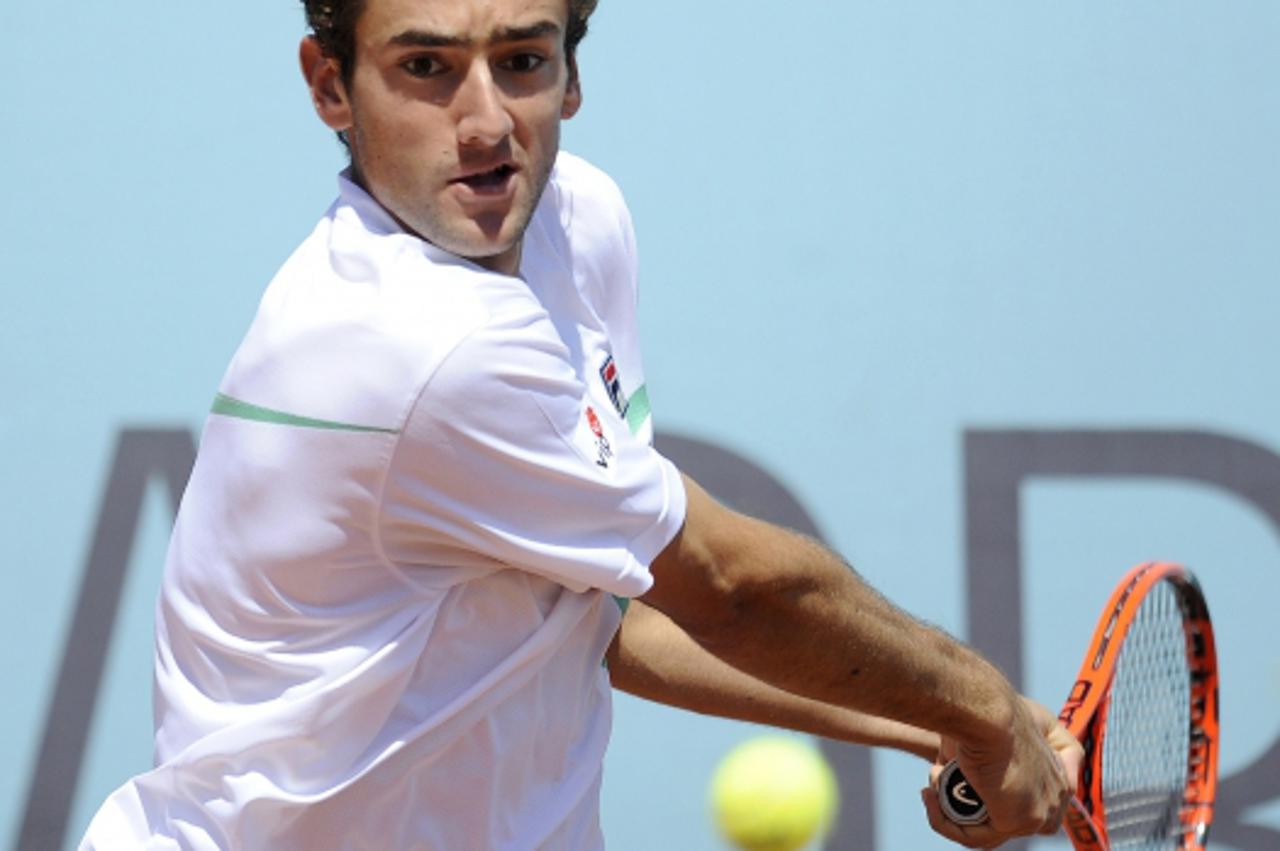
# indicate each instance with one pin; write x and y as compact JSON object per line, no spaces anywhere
{"x":622,"y":602}
{"x":228,"y":406}
{"x":638,"y":409}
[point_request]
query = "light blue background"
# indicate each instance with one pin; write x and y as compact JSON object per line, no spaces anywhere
{"x":864,"y":228}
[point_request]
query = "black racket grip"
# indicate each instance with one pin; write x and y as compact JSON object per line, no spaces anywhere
{"x":960,"y":803}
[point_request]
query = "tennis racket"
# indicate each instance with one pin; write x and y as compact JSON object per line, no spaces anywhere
{"x":1145,"y":708}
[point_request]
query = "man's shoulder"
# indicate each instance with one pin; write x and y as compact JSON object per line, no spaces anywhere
{"x":346,"y":276}
{"x":585,"y":191}
{"x":356,"y":321}
{"x":580,"y":175}
{"x":595,"y":223}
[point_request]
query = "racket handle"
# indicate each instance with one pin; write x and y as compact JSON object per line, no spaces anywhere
{"x":960,"y":803}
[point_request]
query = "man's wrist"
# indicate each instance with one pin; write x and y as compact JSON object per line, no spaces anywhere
{"x":990,"y":712}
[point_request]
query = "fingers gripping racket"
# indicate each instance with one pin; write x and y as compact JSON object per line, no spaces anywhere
{"x":1145,"y":707}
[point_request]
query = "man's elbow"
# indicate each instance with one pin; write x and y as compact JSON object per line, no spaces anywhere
{"x":728,"y":586}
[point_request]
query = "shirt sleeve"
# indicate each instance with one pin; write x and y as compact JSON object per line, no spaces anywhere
{"x":507,"y":461}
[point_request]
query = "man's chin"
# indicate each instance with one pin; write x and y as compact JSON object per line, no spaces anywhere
{"x":491,"y":239}
{"x":500,"y":253}
{"x":497,"y":230}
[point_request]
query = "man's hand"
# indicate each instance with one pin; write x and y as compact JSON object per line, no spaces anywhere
{"x":1026,"y":781}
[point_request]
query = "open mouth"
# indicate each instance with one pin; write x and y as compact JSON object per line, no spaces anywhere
{"x":495,"y":178}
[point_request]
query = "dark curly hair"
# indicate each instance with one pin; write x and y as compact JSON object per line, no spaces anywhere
{"x":333,"y":22}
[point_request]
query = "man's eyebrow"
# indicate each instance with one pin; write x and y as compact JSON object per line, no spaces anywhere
{"x":527,"y":33}
{"x":422,"y":38}
{"x":425,"y":38}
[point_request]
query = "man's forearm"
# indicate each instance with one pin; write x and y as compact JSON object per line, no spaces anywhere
{"x":653,"y":658}
{"x":830,"y":636}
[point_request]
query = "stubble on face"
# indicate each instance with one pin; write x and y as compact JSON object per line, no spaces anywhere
{"x":456,"y":109}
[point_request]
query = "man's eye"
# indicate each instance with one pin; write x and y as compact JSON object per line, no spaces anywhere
{"x":523,"y":63}
{"x":422,"y":66}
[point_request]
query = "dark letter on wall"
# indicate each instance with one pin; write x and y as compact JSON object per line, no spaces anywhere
{"x":141,"y":455}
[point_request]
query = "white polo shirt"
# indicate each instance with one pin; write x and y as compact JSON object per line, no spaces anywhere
{"x":391,"y":583}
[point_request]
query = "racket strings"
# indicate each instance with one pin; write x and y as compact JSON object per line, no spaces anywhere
{"x":1145,"y":748}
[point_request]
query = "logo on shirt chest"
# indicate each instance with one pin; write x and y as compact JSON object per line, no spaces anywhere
{"x":612,"y":379}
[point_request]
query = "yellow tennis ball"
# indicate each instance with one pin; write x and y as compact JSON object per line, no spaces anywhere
{"x":774,"y":794}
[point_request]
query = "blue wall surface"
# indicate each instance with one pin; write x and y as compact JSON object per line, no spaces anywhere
{"x":879,"y":241}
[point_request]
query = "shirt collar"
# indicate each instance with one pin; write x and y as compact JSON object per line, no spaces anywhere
{"x":372,"y":215}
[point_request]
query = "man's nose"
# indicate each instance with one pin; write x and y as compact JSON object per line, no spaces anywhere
{"x":483,"y":117}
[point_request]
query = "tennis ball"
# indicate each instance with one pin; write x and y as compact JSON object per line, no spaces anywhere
{"x":774,"y":794}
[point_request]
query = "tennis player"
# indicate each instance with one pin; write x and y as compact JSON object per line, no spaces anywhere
{"x":396,"y":598}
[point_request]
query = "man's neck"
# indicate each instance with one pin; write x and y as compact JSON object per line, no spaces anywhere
{"x":504,"y":263}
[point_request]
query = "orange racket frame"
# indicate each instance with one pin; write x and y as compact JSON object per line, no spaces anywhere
{"x":1084,"y":712}
{"x":1086,"y":708}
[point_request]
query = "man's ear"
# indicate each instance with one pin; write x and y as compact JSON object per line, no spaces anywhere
{"x":324,"y":79}
{"x":572,"y":92}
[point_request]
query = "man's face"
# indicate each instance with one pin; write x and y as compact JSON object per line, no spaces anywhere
{"x":453,"y":116}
